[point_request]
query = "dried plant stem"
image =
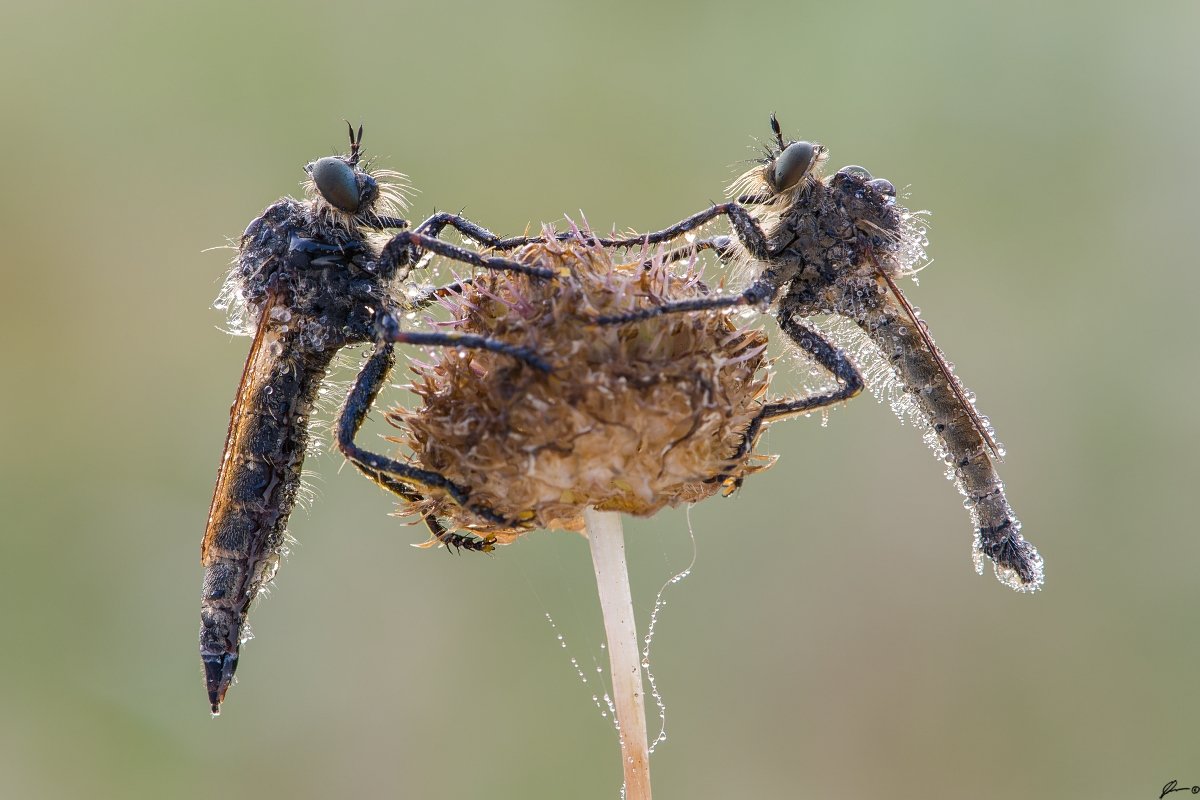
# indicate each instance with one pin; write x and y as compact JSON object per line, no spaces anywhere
{"x":616,"y":603}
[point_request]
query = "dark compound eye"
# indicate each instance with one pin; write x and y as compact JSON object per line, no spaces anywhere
{"x":883,"y":186}
{"x":855,"y":169}
{"x":337,"y":183}
{"x":792,"y":164}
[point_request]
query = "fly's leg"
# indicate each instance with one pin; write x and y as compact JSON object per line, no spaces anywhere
{"x":434,"y":225}
{"x":680,"y":306}
{"x":438,"y":222}
{"x":403,"y":479}
{"x":759,"y":293}
{"x":432,"y":296}
{"x":827,"y":355}
{"x":721,"y":245}
{"x":403,"y":490}
{"x":748,"y":232}
{"x":441,"y":220}
{"x":393,"y":476}
{"x":402,"y":252}
{"x":458,"y":541}
{"x":388,"y":331}
{"x":744,"y":225}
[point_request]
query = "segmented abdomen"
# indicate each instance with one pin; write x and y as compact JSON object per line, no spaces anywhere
{"x":256,"y":489}
{"x":959,"y":443}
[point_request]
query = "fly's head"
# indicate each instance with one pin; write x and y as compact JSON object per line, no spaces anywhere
{"x":346,"y":195}
{"x":340,"y":183}
{"x":777,"y":191}
{"x":787,"y":169}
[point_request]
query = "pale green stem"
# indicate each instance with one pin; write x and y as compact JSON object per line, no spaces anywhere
{"x":607,"y":543}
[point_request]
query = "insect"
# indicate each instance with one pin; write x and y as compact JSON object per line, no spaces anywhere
{"x":309,"y":280}
{"x":836,"y":245}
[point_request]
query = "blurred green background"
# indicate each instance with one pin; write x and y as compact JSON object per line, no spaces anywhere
{"x":833,"y":640}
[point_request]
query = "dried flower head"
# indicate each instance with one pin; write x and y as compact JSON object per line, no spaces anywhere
{"x":634,"y":417}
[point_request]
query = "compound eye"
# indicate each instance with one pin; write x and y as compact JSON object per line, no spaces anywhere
{"x":792,"y":165}
{"x":337,"y":183}
{"x":883,"y":186}
{"x":855,"y":169}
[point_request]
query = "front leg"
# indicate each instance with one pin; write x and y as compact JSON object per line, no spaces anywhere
{"x":762,"y":291}
{"x":402,"y":251}
{"x":721,"y":245}
{"x":743,"y":223}
{"x":434,"y":225}
{"x":744,"y":226}
{"x":441,"y":220}
{"x":759,"y":293}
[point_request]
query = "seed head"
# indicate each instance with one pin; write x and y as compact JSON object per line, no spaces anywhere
{"x":633,"y":418}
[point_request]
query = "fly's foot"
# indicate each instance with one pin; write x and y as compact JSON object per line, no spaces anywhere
{"x":467,"y":541}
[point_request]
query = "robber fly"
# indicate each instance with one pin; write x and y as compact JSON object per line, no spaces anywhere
{"x":309,"y":280}
{"x":836,"y":245}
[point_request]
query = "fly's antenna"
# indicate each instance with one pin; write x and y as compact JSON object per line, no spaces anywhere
{"x":355,"y":142}
{"x":778,"y":132}
{"x":940,"y":360}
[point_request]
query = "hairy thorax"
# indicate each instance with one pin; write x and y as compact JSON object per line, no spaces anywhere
{"x":325,"y":275}
{"x":836,"y":237}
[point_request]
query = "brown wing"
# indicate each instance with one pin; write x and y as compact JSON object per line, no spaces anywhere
{"x":951,"y":379}
{"x":253,"y":372}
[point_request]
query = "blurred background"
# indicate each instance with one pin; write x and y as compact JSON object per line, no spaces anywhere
{"x":833,"y":639}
